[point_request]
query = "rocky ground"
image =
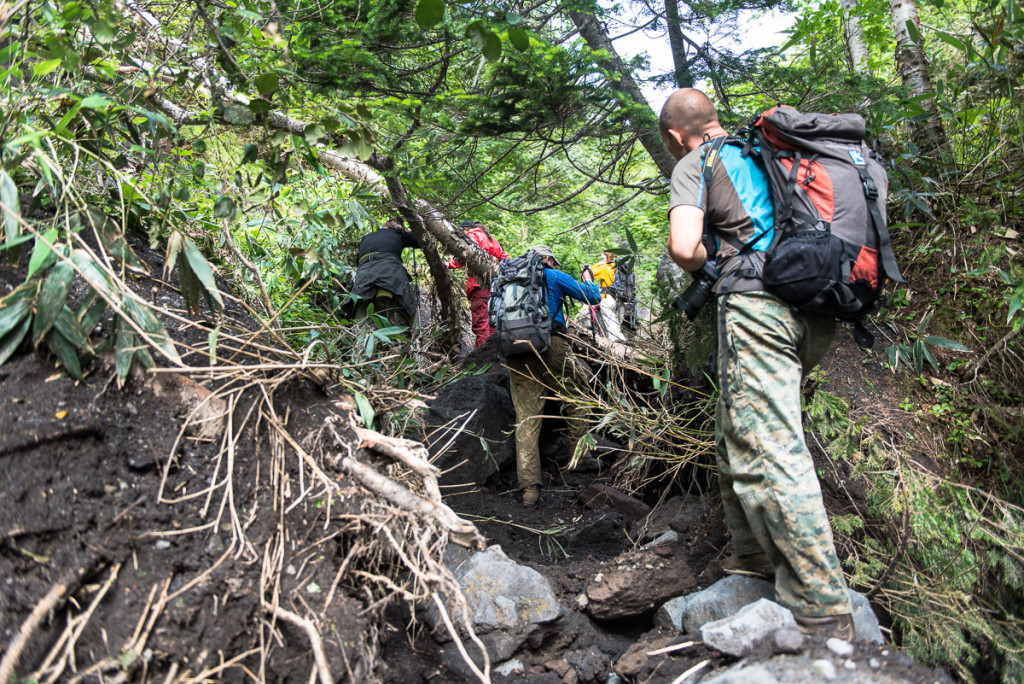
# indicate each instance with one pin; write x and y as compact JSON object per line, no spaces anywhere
{"x":204,"y":526}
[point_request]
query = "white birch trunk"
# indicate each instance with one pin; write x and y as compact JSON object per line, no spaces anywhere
{"x":912,"y":65}
{"x":856,"y":45}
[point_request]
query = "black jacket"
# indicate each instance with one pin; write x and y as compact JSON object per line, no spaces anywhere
{"x":380,"y":266}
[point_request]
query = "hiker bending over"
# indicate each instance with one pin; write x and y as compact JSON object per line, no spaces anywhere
{"x":478,"y":292}
{"x":611,"y":310}
{"x":770,"y":492}
{"x":381,"y":278}
{"x":534,"y":376}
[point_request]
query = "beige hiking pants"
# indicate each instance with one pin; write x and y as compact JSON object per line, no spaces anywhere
{"x":533,"y":378}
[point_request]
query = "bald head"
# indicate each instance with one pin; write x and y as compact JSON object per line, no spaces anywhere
{"x":687,"y":119}
{"x":688,"y":111}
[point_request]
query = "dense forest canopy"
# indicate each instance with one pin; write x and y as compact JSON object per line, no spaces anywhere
{"x":257,"y":141}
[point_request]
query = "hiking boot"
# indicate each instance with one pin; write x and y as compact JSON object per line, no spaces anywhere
{"x":827,"y":626}
{"x":531,"y":495}
{"x":753,"y":564}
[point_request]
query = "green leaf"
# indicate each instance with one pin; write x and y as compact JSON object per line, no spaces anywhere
{"x":492,"y":47}
{"x":11,"y":207}
{"x":201,"y":269}
{"x":313,"y":133}
{"x":913,"y":32}
{"x":925,"y":321}
{"x":950,"y":40}
{"x":96,"y":101}
{"x":365,"y":410}
{"x":52,"y":296}
{"x":1016,"y":303}
{"x":919,"y":354}
{"x":224,"y":207}
{"x":429,"y":13}
{"x":103,"y":31}
{"x":142,"y":315}
{"x":268,"y":83}
{"x":42,"y":254}
{"x":91,"y":311}
{"x":513,"y":19}
{"x":68,"y":327}
{"x":123,"y":352}
{"x":211,"y":340}
{"x":15,"y":310}
{"x":10,"y":342}
{"x":249,"y":153}
{"x":476,"y":32}
{"x":65,"y":353}
{"x":45,"y":67}
{"x":520,"y":41}
{"x":391,"y":331}
{"x":945,"y":343}
{"x":94,"y":275}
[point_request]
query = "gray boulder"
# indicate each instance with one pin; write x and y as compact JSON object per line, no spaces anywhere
{"x":507,"y":604}
{"x":740,"y":634}
{"x":727,"y":596}
{"x":722,"y":599}
{"x":864,"y":619}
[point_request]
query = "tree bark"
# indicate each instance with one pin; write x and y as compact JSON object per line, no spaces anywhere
{"x":644,"y":122}
{"x":680,"y":60}
{"x":856,"y":44}
{"x":912,"y":65}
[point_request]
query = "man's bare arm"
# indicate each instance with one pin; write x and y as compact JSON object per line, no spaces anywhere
{"x":685,"y":229}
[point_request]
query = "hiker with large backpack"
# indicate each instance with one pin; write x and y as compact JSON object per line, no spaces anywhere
{"x":530,"y":329}
{"x":478,"y":293}
{"x":787,"y":269}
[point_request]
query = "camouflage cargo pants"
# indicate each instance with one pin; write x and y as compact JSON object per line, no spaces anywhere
{"x":531,"y":379}
{"x":770,"y":492}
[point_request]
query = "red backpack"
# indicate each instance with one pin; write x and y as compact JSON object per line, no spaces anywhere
{"x":832,"y":252}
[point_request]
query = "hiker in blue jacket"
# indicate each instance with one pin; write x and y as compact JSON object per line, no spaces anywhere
{"x":535,"y":376}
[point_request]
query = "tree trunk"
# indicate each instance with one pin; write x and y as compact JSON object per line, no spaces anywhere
{"x":912,"y":65}
{"x":856,"y":45}
{"x":645,"y":124}
{"x":680,"y":60}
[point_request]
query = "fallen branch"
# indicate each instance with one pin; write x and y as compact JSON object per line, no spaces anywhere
{"x":411,"y":454}
{"x":463,"y":532}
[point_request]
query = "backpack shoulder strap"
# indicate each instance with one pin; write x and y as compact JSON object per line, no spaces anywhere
{"x":892,"y":271}
{"x":707,"y":170}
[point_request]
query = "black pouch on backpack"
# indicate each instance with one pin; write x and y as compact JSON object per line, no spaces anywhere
{"x":806,"y":271}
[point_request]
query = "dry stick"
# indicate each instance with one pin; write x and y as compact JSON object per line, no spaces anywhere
{"x":984,"y":360}
{"x":686,"y":675}
{"x":55,"y":594}
{"x":482,"y":676}
{"x":314,"y":639}
{"x":252,"y":268}
{"x":74,"y":630}
{"x":675,"y":647}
